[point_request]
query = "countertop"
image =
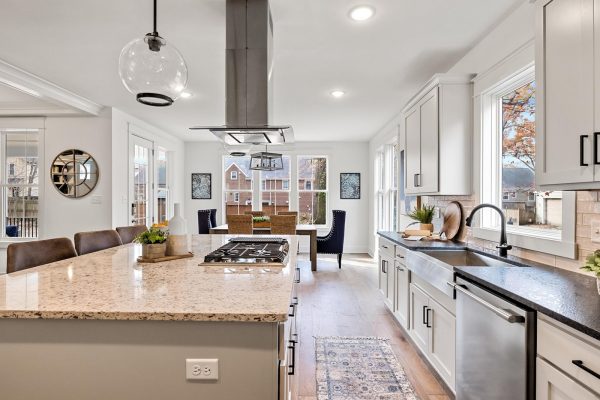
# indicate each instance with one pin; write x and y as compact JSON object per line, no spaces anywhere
{"x":569,"y":297}
{"x":422,"y":244}
{"x":111,"y":285}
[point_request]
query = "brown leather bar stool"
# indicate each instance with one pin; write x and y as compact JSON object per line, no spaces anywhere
{"x":240,"y":224}
{"x":283,"y":224}
{"x":89,"y":242}
{"x":128,"y":233}
{"x":20,"y":256}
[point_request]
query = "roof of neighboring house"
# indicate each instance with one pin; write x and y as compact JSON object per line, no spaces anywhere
{"x":515,"y":179}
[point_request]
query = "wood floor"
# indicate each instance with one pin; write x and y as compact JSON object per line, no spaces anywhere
{"x":346,"y":302}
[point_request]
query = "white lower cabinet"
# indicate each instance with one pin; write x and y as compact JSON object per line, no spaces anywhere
{"x":552,"y":384}
{"x":402,"y":282}
{"x":433,"y":329}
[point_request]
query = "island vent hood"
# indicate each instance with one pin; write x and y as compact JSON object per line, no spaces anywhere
{"x":249,"y":42}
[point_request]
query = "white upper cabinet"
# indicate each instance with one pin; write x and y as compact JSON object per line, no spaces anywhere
{"x":566,"y":71}
{"x":437,"y":127}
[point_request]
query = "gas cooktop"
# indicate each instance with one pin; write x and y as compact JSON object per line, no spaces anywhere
{"x":246,"y":250}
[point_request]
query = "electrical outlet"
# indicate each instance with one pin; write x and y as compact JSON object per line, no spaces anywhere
{"x":202,"y":368}
{"x":595,"y":228}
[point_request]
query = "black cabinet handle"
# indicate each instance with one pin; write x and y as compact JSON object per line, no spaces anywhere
{"x":579,"y":363}
{"x":384,"y":266}
{"x":292,"y":366}
{"x":297,"y":280}
{"x":293,"y":313}
{"x":428,"y":320}
{"x":596,"y":161}
{"x":582,"y":162}
{"x":424,"y":315}
{"x":295,"y":300}
{"x":417,"y":180}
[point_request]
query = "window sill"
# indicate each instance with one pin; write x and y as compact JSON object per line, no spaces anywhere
{"x":555,"y":247}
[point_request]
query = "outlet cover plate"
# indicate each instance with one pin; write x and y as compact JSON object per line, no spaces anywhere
{"x":202,"y":369}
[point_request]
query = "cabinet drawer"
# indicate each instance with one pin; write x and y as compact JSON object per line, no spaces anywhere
{"x":551,"y":384}
{"x":564,"y":349}
{"x":386,"y":248}
{"x":400,"y":254}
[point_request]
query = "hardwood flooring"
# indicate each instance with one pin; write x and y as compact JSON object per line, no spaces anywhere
{"x":347,"y":302}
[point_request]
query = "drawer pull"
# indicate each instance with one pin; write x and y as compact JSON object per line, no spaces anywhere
{"x":400,"y":269}
{"x":384,"y":246}
{"x":579,"y":363}
{"x":428,"y":320}
{"x":292,"y":366}
{"x":293,"y":313}
{"x":297,"y":280}
{"x":425,"y":322}
{"x":582,"y":139}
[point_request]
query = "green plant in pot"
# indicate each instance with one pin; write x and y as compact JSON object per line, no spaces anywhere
{"x":424,"y":215}
{"x":154,"y":243}
{"x":592,"y":264}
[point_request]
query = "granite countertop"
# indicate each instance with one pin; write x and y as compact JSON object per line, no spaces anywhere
{"x":569,"y":297}
{"x":111,"y":285}
{"x":422,"y":244}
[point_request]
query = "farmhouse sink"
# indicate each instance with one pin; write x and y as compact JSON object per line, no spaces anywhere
{"x":437,"y":266}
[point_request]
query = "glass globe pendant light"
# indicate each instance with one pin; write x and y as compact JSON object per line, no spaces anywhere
{"x":152,"y":69}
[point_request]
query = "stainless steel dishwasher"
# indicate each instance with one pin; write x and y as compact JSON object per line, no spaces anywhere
{"x":495,"y":346}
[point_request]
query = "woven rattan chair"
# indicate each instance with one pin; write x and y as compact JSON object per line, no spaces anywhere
{"x":295,"y":213}
{"x":283,"y":224}
{"x":239,"y":224}
{"x":255,"y":213}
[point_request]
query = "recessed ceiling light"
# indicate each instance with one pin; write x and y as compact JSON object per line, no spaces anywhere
{"x":362,"y":13}
{"x":338,"y":93}
{"x":185,"y":95}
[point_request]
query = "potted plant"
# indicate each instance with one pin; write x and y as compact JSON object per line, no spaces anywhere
{"x":424,"y":215}
{"x":592,"y":264}
{"x":154,"y":243}
{"x":262,"y":221}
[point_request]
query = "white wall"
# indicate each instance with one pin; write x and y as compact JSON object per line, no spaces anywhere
{"x":343,"y":157}
{"x":62,"y":216}
{"x":121,"y":123}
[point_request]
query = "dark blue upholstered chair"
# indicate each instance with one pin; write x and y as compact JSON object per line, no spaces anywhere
{"x":204,"y":222}
{"x":333,"y":242}
{"x":213,"y":217}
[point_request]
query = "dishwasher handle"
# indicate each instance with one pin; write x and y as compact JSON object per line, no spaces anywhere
{"x":509,"y":317}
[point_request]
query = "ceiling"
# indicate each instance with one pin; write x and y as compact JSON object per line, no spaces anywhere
{"x":379,"y":63}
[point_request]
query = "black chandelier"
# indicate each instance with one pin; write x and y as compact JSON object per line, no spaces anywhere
{"x":152,"y":69}
{"x":266,"y":161}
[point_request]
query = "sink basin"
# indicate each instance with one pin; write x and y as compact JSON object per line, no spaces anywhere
{"x":464,"y":258}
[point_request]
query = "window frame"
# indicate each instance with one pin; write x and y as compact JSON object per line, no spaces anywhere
{"x":304,"y":190}
{"x":233,"y":176}
{"x":517,"y":68}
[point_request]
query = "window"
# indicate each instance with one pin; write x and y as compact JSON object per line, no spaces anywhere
{"x":162,"y":188}
{"x":275,"y":185}
{"x":379,"y":191}
{"x":312,"y":190}
{"x":237,"y":192}
{"x":20,"y":183}
{"x":542,"y":221}
{"x":392,"y":194}
{"x":386,"y":187}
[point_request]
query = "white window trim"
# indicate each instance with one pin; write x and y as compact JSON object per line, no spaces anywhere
{"x":514,"y":67}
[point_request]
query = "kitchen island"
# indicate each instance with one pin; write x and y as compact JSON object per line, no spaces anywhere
{"x":103,"y":326}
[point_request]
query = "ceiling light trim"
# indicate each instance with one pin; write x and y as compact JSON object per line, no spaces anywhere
{"x":29,"y":83}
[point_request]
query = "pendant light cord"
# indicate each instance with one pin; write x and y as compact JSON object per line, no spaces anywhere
{"x":155,"y":32}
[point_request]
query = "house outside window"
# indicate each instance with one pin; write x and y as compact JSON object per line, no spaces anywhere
{"x":239,"y":178}
{"x":275,"y":194}
{"x":312,"y":189}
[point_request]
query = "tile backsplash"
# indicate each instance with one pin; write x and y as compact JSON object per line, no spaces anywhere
{"x":587,"y":209}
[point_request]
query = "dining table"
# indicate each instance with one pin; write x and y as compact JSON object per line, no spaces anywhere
{"x":306,"y":230}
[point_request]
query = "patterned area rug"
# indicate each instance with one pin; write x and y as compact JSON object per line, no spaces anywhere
{"x":356,"y":368}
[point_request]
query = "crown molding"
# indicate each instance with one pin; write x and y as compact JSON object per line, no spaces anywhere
{"x":40,"y":88}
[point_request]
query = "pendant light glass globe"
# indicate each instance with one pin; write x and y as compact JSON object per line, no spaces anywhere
{"x":153,"y":70}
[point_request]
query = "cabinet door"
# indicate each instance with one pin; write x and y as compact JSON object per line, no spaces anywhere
{"x":383,"y":285}
{"x":419,"y":302}
{"x":442,"y":341}
{"x":402,"y":294}
{"x":391,"y":283}
{"x":552,"y":384}
{"x":565,"y":91}
{"x":412,"y":131}
{"x":428,"y":180}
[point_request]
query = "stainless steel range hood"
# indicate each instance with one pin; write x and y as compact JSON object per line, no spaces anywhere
{"x":249,"y":41}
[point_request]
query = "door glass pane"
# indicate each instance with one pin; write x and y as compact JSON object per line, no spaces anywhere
{"x":525,"y":208}
{"x":141,"y":164}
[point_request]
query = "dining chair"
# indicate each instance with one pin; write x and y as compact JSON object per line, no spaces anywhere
{"x":204,"y":223}
{"x":289,"y":213}
{"x":239,"y":224}
{"x":333,"y":242}
{"x":20,"y":256}
{"x":255,"y":213}
{"x":283,"y":224}
{"x":89,"y":242}
{"x":213,"y":217}
{"x":128,"y":233}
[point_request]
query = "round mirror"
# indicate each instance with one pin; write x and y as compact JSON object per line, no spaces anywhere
{"x":74,"y":173}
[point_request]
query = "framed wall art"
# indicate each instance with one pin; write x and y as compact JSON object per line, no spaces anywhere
{"x":350,"y":185}
{"x":201,"y":186}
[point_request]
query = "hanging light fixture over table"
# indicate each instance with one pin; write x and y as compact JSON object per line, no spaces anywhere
{"x":152,"y":69}
{"x":266,"y":161}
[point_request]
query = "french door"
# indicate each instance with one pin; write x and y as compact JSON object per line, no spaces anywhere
{"x":141,"y":181}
